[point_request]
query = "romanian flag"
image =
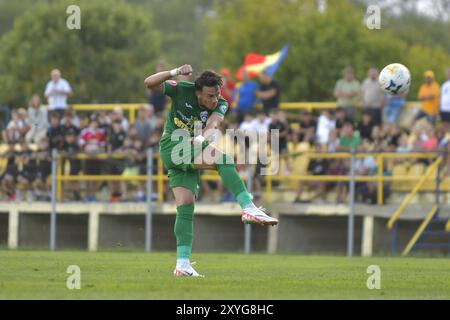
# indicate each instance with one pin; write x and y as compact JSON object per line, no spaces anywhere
{"x":254,"y":63}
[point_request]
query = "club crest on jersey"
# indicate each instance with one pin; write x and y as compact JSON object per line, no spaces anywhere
{"x":204,"y":116}
{"x":223,"y":108}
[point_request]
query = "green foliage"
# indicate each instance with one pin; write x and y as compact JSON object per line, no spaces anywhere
{"x":104,"y":61}
{"x":322,"y":44}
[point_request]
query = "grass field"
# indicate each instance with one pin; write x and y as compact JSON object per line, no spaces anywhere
{"x":125,"y":275}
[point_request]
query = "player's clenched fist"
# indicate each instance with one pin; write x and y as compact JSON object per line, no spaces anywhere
{"x":184,"y":70}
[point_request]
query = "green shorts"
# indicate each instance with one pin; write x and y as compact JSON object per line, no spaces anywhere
{"x":180,"y":162}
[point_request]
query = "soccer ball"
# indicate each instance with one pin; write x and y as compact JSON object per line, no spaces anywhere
{"x":395,"y":79}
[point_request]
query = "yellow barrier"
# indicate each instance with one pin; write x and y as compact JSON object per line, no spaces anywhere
{"x":132,"y":107}
{"x":431,"y":169}
{"x":160,"y":177}
{"x":419,"y":231}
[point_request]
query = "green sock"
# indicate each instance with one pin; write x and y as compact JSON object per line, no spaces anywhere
{"x":184,"y":226}
{"x":233,"y":182}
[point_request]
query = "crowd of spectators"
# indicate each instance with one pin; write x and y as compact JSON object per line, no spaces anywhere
{"x":31,"y":134}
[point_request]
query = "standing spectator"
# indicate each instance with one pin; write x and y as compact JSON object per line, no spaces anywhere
{"x":347,"y":91}
{"x":227,"y":89}
{"x":37,"y":119}
{"x":56,"y":92}
{"x":372,"y":97}
{"x":156,"y":97}
{"x":429,"y":96}
{"x":445,"y":103}
{"x":393,"y":107}
{"x":246,"y":97}
{"x":269,"y":92}
{"x":365,"y":126}
{"x":92,"y":141}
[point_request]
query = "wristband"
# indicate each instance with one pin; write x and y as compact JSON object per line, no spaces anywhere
{"x":174,"y":72}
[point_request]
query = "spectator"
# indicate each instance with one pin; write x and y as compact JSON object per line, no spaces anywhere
{"x":71,"y":149}
{"x":341,"y":118}
{"x":27,"y":172}
{"x":227,"y":90}
{"x":44,"y":169}
{"x":372,"y":97}
{"x":6,"y":111}
{"x":347,"y":91}
{"x":307,"y":127}
{"x":269,"y":92}
{"x":246,"y":97}
{"x":9,"y":177}
{"x":145,"y":124}
{"x":68,"y":125}
{"x":92,"y":141}
{"x":37,"y":119}
{"x":156,"y":97}
{"x":115,"y":142}
{"x":365,"y":125}
{"x":348,"y":139}
{"x":281,"y":134}
{"x":325,"y":124}
{"x":393,"y":107}
{"x":72,"y":114}
{"x":55,"y":133}
{"x":365,"y":191}
{"x":445,"y":103}
{"x":56,"y":92}
{"x":403,"y":144}
{"x":429,"y":96}
{"x":117,"y":114}
{"x":17,"y":128}
{"x":84,"y":122}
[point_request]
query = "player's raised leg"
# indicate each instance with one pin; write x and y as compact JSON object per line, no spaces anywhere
{"x":224,"y":165}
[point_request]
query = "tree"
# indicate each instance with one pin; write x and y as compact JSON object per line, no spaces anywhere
{"x":105,"y":61}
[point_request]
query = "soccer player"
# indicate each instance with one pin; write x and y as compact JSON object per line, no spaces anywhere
{"x":194,"y":103}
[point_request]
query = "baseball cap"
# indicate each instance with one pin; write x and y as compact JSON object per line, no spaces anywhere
{"x":428,"y":73}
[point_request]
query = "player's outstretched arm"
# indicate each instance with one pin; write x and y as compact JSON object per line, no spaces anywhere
{"x":155,"y":81}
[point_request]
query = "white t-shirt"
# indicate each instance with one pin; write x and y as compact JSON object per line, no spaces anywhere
{"x":57,"y":100}
{"x":445,"y":97}
{"x":324,"y":127}
{"x":261,"y":126}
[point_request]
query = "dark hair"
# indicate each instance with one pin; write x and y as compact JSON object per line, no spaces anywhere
{"x":208,"y":78}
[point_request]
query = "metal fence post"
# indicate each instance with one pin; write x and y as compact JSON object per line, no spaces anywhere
{"x":248,"y":227}
{"x":351,"y":222}
{"x":148,"y":216}
{"x":53,"y":199}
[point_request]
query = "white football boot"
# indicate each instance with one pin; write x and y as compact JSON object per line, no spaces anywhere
{"x":254,"y":215}
{"x":186,"y":270}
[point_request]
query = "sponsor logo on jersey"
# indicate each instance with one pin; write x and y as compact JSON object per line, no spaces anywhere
{"x":188,"y":105}
{"x":223,"y":108}
{"x":204,"y":116}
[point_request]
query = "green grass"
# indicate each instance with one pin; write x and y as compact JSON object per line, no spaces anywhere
{"x":125,"y":275}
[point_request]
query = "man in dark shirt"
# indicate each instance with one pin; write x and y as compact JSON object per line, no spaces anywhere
{"x":55,"y":132}
{"x":283,"y":132}
{"x":269,"y":92}
{"x":365,"y":126}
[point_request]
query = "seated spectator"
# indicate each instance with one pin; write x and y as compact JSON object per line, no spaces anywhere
{"x":9,"y":177}
{"x":341,"y":118}
{"x":44,"y":170}
{"x":280,"y":133}
{"x":17,"y":128}
{"x":307,"y":127}
{"x":37,"y":119}
{"x":365,"y":126}
{"x":115,"y":142}
{"x":27,"y":172}
{"x":117,"y":114}
{"x":67,"y":125}
{"x":72,"y":114}
{"x":367,"y":166}
{"x":403,"y":144}
{"x":92,"y":140}
{"x":55,"y":133}
{"x":145,"y":123}
{"x":71,"y":149}
{"x":325,"y":124}
{"x":348,"y":139}
{"x":391,"y":136}
{"x":84,"y":121}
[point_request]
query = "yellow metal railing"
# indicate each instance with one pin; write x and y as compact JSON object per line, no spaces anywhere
{"x":160,"y":177}
{"x":131,"y":108}
{"x":431,"y":170}
{"x":419,"y":231}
